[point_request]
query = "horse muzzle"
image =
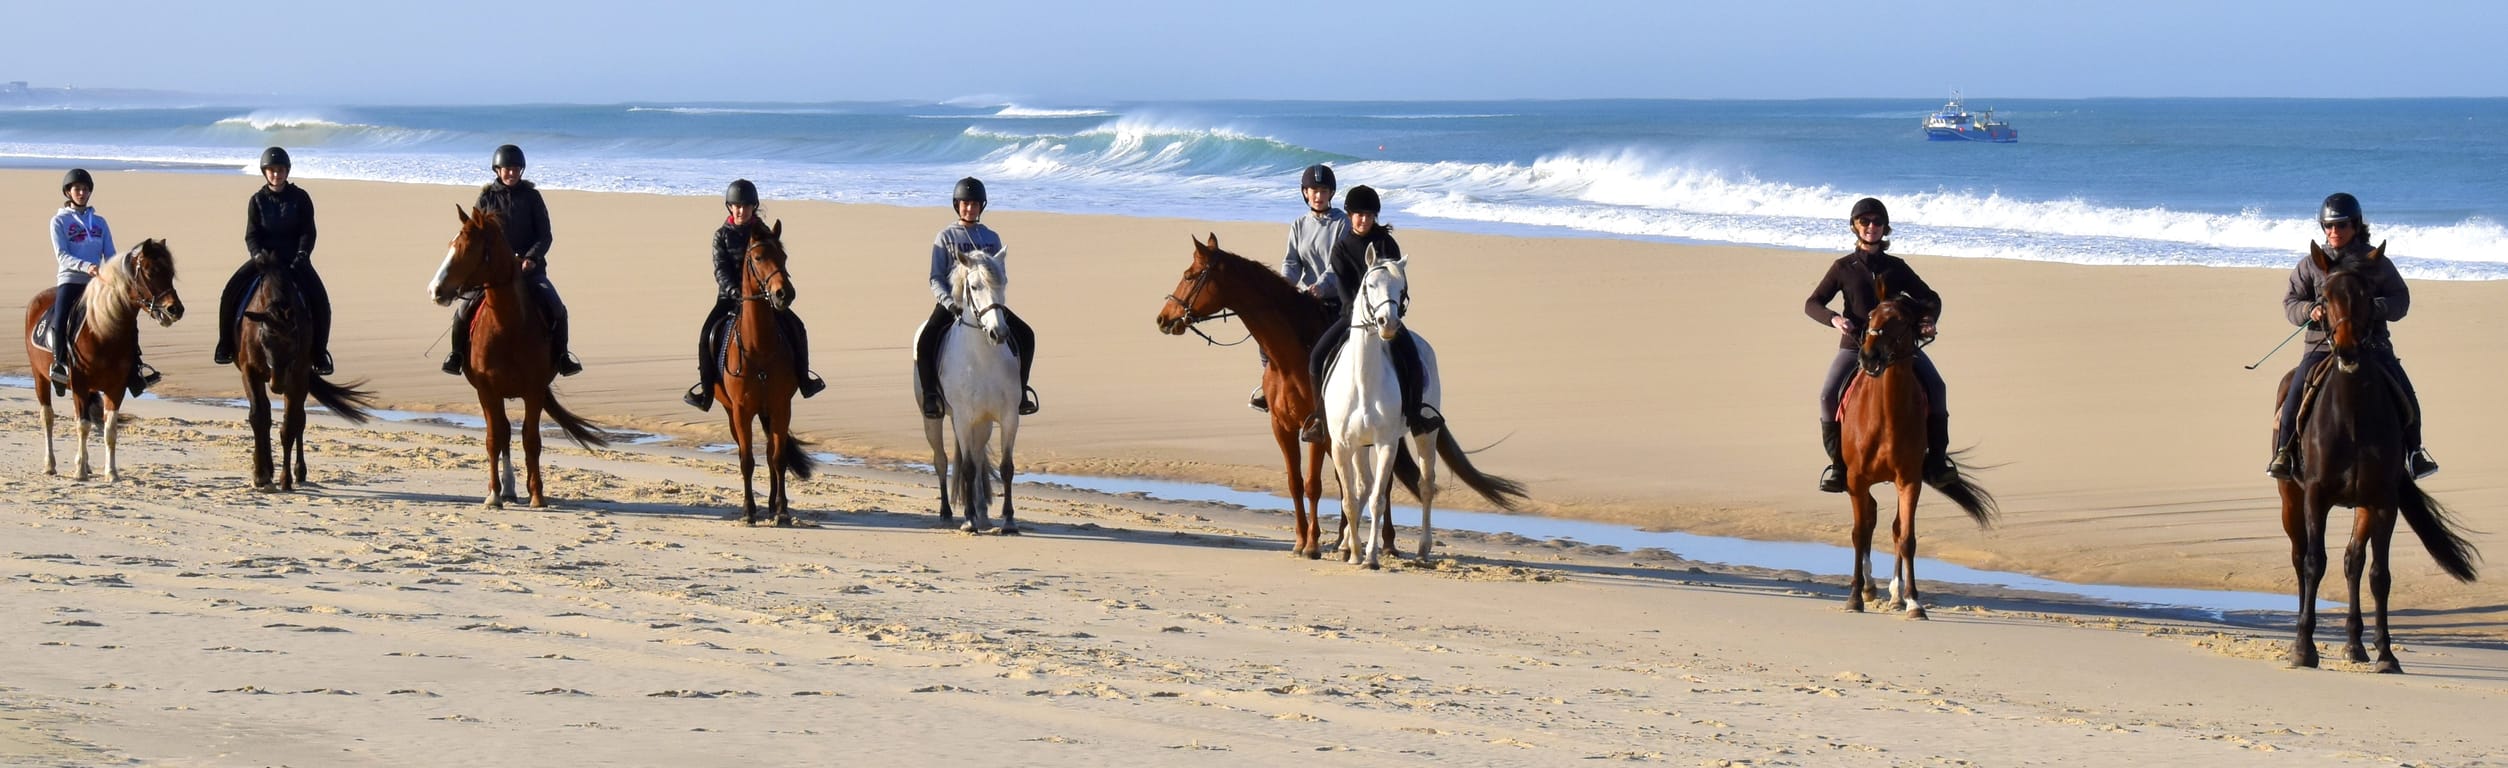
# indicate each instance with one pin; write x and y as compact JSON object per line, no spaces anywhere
{"x":1173,"y":325}
{"x":167,"y":314}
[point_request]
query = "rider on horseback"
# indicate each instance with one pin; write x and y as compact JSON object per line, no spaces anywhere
{"x":1311,"y":239}
{"x":1366,"y":243}
{"x":279,"y":222}
{"x":526,"y":222}
{"x":1858,"y":276}
{"x":967,"y":234}
{"x":2347,"y":242}
{"x":731,"y":250}
{"x":81,"y":241}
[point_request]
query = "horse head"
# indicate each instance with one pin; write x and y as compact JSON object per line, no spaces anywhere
{"x":1384,"y":295}
{"x":1890,"y":332}
{"x":1195,"y":298}
{"x":151,"y":283}
{"x":2351,"y":315}
{"x":982,"y":288}
{"x":478,"y":255}
{"x":762,"y":273}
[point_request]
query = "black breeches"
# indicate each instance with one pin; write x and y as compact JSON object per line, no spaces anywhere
{"x":1023,"y":339}
{"x":64,"y":298}
{"x":937,"y":327}
{"x":710,"y":338}
{"x":317,"y":302}
{"x":1408,"y":372}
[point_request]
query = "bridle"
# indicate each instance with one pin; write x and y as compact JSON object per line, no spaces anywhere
{"x":975,"y":319}
{"x":1876,"y":364}
{"x":1184,"y":304}
{"x":136,"y":284}
{"x":1401,"y":305}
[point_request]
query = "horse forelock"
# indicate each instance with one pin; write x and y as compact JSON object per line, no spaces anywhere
{"x":2347,"y":299}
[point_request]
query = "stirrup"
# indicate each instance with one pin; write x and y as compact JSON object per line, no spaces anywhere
{"x":811,"y":384}
{"x":2281,"y":466}
{"x":567,"y":365}
{"x":699,"y":397}
{"x":322,"y":364}
{"x":2421,"y":464}
{"x":1259,"y":403}
{"x":1313,"y":432}
{"x":1027,"y":401}
{"x":453,"y":365}
{"x":223,"y":357}
{"x":1833,"y":479}
{"x":1942,"y":473}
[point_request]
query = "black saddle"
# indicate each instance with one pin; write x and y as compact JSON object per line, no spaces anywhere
{"x":42,"y":335}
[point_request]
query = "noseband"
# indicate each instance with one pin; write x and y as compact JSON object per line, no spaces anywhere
{"x":137,"y":285}
{"x":1184,"y":304}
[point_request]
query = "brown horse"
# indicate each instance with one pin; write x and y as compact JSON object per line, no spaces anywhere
{"x":759,"y":377}
{"x":1884,"y":442}
{"x":105,"y":351}
{"x":2351,"y":453}
{"x":1284,"y":322}
{"x":276,"y":357}
{"x":509,"y":351}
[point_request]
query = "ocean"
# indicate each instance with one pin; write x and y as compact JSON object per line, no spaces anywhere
{"x":2215,"y":182}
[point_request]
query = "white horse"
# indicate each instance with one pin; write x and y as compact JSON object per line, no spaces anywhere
{"x":979,"y":373}
{"x":1363,"y":415}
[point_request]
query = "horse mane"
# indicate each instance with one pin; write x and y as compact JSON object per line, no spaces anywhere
{"x":1275,"y":290}
{"x":993,"y":272}
{"x":110,"y":305}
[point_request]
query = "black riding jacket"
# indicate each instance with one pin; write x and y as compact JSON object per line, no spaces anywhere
{"x":731,"y":244}
{"x":525,"y":215}
{"x":281,"y":222}
{"x":1349,"y":258}
{"x":1859,"y":276}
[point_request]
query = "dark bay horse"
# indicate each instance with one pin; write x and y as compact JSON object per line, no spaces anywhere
{"x":1284,"y":322}
{"x":759,"y":377}
{"x":1884,"y":442}
{"x":509,"y":351}
{"x":106,"y":350}
{"x":275,"y":357}
{"x":2351,"y":454}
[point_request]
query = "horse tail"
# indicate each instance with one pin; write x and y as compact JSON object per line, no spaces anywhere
{"x":1497,"y":490}
{"x":1405,"y":468}
{"x":91,"y":410}
{"x":584,"y":433}
{"x":345,"y":400}
{"x":796,"y":460}
{"x":1970,"y":496}
{"x":2436,"y":526}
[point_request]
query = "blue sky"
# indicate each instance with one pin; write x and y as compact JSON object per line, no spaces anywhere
{"x":1049,"y":51}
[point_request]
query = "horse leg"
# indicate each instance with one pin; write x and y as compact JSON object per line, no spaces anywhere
{"x":79,"y":406}
{"x":1860,"y":535}
{"x":1300,"y":511}
{"x":2355,"y":558}
{"x":531,"y":448}
{"x":292,"y":442}
{"x":1345,"y":464}
{"x":1316,"y":454}
{"x":1380,"y":501}
{"x":1426,"y":447}
{"x":112,"y":431}
{"x":940,"y":463}
{"x":778,"y":440}
{"x":2379,"y":580}
{"x":2309,"y":558}
{"x":493,"y":408}
{"x":742,"y":437}
{"x":43,"y":403}
{"x":1009,"y":468}
{"x":1903,"y":573}
{"x":259,"y":417}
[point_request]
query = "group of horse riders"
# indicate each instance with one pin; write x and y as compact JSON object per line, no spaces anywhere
{"x":1328,"y":251}
{"x":279,"y":228}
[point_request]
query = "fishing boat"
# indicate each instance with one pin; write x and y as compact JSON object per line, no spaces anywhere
{"x":1953,"y":123}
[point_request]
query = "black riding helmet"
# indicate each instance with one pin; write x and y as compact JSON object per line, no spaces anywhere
{"x":741,"y":192}
{"x":1317,"y":175}
{"x":1362,"y":199}
{"x":969,"y":189}
{"x":75,"y":177}
{"x":274,"y":157}
{"x":1869,"y":207}
{"x":507,"y":156}
{"x":2340,"y":208}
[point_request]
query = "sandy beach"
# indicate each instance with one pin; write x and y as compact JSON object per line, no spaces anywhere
{"x":385,"y":619}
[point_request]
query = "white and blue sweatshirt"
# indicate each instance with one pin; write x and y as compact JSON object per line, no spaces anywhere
{"x":80,"y":239}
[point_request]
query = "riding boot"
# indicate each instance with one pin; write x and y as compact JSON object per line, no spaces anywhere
{"x":927,"y":361}
{"x":1412,"y":379}
{"x":1313,"y":432}
{"x":1025,"y":338}
{"x":2283,"y":461}
{"x":565,"y":361}
{"x":1939,"y":470}
{"x":317,"y":299}
{"x":799,"y":336}
{"x":461,"y":334}
{"x":1257,"y":402}
{"x":143,"y":376}
{"x":1833,"y":479}
{"x":229,"y":301}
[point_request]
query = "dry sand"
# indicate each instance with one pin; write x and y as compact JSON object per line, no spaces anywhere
{"x":385,"y":619}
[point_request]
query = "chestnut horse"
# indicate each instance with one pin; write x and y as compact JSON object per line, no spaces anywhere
{"x":276,"y":357}
{"x":106,"y":348}
{"x":509,"y":351}
{"x":1883,"y":441}
{"x":1284,"y":322}
{"x":2351,"y":453}
{"x":758,"y":377}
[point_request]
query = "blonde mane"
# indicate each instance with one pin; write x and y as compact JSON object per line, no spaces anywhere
{"x":109,"y":303}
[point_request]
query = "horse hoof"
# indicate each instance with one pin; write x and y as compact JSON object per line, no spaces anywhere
{"x":749,"y":521}
{"x":2356,"y":655}
{"x":2390,"y":667}
{"x":967,"y":527}
{"x":1917,"y":613}
{"x":1854,"y":606}
{"x":2301,"y":659}
{"x":783,"y":521}
{"x":493,"y":504}
{"x":539,"y":503}
{"x":1375,"y":566}
{"x":1009,"y":530}
{"x":1314,"y":554}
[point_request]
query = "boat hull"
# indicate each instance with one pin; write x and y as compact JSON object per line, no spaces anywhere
{"x":1992,"y":135}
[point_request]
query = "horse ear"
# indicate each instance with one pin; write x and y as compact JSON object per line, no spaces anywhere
{"x":457,"y":211}
{"x":2316,"y":255}
{"x":1214,"y":241}
{"x":779,"y":229}
{"x":1198,"y":245}
{"x":2379,"y":252}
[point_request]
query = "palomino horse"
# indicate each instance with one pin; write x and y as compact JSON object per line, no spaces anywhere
{"x":1884,"y":442}
{"x":2351,"y":453}
{"x":980,"y":389}
{"x":275,"y":357}
{"x":1284,"y":322}
{"x":106,"y":348}
{"x":509,"y":351}
{"x":758,"y":378}
{"x":1363,"y":416}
